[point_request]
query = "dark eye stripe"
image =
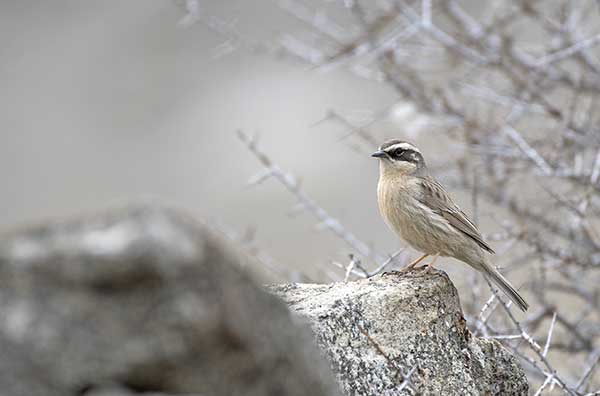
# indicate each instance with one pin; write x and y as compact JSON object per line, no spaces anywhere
{"x":406,"y":155}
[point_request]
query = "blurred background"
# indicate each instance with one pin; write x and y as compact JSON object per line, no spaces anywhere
{"x":108,"y":102}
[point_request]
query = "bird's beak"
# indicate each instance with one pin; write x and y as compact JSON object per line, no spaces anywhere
{"x":379,"y":154}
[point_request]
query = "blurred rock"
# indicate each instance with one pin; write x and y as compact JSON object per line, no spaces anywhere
{"x":380,"y":332}
{"x":143,"y":300}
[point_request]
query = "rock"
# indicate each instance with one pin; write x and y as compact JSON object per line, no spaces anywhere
{"x":144,"y":300}
{"x":403,"y":334}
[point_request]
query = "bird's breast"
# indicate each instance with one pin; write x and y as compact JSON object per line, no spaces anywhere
{"x":394,"y":199}
{"x":401,"y":209}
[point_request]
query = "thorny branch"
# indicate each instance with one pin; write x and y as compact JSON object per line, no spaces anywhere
{"x":326,"y":221}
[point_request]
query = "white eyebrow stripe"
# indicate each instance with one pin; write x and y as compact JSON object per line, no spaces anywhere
{"x":403,"y":146}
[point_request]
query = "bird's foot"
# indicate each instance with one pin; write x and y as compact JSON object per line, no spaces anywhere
{"x":429,"y":268}
{"x":406,"y":270}
{"x":412,"y":265}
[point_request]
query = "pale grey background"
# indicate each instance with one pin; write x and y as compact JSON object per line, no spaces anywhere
{"x":105,"y":102}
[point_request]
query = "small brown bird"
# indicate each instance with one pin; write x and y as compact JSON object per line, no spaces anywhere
{"x":420,"y":211}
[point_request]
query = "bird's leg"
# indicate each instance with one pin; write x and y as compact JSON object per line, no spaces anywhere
{"x":430,"y":264}
{"x":413,"y":264}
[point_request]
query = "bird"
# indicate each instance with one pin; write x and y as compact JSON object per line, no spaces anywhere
{"x":420,"y":210}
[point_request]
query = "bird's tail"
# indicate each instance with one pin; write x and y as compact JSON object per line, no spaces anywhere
{"x":496,"y":277}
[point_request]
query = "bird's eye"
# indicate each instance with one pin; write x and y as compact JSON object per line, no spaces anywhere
{"x":397,"y":153}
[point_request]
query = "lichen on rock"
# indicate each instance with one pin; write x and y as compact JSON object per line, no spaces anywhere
{"x":402,"y":334}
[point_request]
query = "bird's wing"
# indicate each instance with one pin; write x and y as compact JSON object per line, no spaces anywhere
{"x":435,"y":197}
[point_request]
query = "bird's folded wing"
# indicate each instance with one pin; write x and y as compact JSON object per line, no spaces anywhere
{"x":435,"y":197}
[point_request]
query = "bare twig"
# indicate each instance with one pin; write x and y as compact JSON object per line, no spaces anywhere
{"x":549,"y":337}
{"x":291,"y":183}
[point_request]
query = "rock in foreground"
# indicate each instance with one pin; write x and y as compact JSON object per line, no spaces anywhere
{"x":144,"y":301}
{"x":403,"y":334}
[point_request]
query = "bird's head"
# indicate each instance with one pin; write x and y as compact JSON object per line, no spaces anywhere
{"x":397,"y":157}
